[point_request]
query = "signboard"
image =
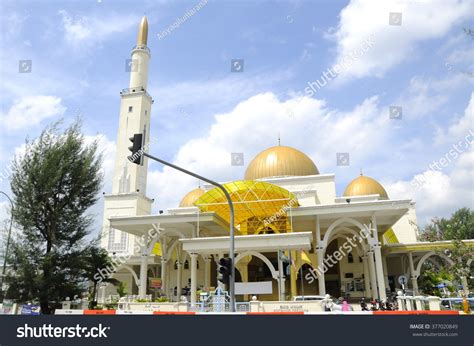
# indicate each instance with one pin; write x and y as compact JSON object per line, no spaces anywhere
{"x":154,"y":283}
{"x":402,"y":280}
{"x":30,"y":309}
{"x":263,"y":287}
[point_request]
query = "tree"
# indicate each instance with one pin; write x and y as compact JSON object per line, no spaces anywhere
{"x":96,"y":261}
{"x":54,"y":183}
{"x":459,"y":227}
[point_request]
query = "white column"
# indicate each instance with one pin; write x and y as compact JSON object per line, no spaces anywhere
{"x":366,"y":276}
{"x":378,"y":261}
{"x":193,"y":277}
{"x":414,"y":278}
{"x":179,"y":284}
{"x":320,"y":254}
{"x":163,"y":276}
{"x":281,"y":278}
{"x":373,"y":282}
{"x":379,"y":270}
{"x":320,"y":272}
{"x":143,"y":267}
{"x":207,"y":273}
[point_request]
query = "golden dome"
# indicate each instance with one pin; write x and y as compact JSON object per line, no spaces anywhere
{"x":191,"y":197}
{"x":280,"y":161}
{"x":363,"y":186}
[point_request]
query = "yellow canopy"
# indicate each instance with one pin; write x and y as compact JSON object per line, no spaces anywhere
{"x":253,"y":200}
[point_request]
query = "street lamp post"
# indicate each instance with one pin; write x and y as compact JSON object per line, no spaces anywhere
{"x":8,"y":242}
{"x":231,"y":208}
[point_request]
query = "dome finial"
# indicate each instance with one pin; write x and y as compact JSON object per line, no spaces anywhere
{"x":279,"y":139}
{"x":361,"y":174}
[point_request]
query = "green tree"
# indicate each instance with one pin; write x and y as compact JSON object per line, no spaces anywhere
{"x":97,"y":260}
{"x":54,"y":183}
{"x":459,"y":227}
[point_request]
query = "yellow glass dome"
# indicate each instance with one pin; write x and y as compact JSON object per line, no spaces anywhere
{"x":280,"y":161}
{"x":363,"y":186}
{"x":191,"y":197}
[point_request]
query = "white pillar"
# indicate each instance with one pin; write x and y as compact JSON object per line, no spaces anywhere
{"x":143,"y":268}
{"x":379,"y":270}
{"x":373,"y":282}
{"x":281,"y":278}
{"x":378,"y":261}
{"x":414,"y":277}
{"x":320,"y":254}
{"x":179,"y":284}
{"x":193,"y":277}
{"x":320,"y":272}
{"x":366,"y":276}
{"x":163,"y":276}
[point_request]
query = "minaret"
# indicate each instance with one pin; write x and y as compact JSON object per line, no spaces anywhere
{"x":128,"y":196}
{"x":134,"y":118}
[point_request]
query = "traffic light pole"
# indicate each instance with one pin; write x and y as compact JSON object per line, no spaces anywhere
{"x":231,"y":208}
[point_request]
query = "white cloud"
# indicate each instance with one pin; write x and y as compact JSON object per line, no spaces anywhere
{"x":393,"y":44}
{"x":254,"y":124}
{"x":459,"y":128}
{"x":439,"y":193}
{"x":447,"y":185}
{"x":32,"y":110}
{"x":107,"y":148}
{"x":83,"y":31}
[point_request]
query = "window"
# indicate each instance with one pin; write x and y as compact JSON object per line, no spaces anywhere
{"x":130,"y":109}
{"x":186,"y":264}
{"x":350,"y":258}
{"x":117,"y":241}
{"x":360,"y":259}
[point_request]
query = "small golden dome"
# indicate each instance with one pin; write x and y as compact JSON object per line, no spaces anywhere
{"x":280,"y":161}
{"x":363,"y":186}
{"x":191,"y":197}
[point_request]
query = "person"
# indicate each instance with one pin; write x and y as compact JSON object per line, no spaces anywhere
{"x":345,"y":306}
{"x":363,"y":304}
{"x":327,"y":303}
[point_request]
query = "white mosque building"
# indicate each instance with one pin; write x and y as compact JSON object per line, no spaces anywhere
{"x":285,"y":209}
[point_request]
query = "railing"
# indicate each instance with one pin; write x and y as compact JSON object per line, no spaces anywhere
{"x":136,"y":90}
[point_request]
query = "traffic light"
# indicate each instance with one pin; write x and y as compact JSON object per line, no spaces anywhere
{"x":136,"y":149}
{"x":225,"y":266}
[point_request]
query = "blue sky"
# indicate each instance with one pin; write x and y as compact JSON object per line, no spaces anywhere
{"x":203,"y":111}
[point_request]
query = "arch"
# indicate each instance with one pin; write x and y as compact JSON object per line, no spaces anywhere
{"x":425,"y":256}
{"x":332,"y":228}
{"x":262,"y":257}
{"x":348,"y":230}
{"x":360,"y":251}
{"x":128,"y":268}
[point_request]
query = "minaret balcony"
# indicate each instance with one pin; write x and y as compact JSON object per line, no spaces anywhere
{"x":142,"y":48}
{"x":136,"y":91}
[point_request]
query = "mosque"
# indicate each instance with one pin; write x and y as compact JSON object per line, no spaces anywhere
{"x":289,"y":222}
